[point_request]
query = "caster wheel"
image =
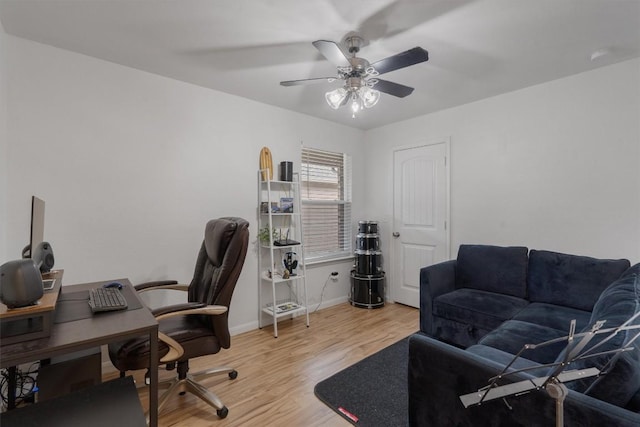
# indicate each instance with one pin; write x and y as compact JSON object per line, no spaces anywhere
{"x":233,"y":375}
{"x":223,"y":412}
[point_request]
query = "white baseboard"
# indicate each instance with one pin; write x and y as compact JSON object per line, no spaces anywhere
{"x":240,"y":329}
{"x":328,"y":303}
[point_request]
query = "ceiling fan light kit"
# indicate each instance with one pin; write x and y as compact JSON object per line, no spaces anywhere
{"x":361,"y":87}
{"x":360,"y":95}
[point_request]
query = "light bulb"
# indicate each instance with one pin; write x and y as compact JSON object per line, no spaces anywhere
{"x":336,"y":98}
{"x":356,"y":104}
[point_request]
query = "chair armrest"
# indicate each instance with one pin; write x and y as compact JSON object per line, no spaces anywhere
{"x":176,"y":308}
{"x":160,"y":284}
{"x":175,"y":349}
{"x":188,"y":308}
{"x":435,"y":280}
{"x":208,"y":310}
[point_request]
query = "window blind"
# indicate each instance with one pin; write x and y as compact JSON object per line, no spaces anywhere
{"x":325,"y":180}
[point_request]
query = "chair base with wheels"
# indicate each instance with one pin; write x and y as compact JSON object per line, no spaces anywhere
{"x":185,"y":382}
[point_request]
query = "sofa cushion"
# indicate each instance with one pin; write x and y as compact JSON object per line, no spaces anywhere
{"x":618,"y":303}
{"x":493,"y":269}
{"x":485,"y":310}
{"x":461,"y":335}
{"x":553,"y":316}
{"x":512,"y":335}
{"x":570,"y":280}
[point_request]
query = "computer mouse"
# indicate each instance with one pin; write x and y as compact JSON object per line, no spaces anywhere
{"x":113,"y":285}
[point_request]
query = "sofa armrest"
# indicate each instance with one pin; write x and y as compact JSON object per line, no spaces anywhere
{"x":439,"y":373}
{"x":435,"y":280}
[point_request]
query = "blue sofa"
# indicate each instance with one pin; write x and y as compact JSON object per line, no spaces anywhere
{"x":480,"y":309}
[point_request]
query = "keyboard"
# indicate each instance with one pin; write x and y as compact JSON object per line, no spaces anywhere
{"x":106,"y":299}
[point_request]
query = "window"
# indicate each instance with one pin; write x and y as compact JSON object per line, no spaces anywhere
{"x":325,"y":180}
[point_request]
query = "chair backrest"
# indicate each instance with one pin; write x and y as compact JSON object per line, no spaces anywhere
{"x":218,"y":267}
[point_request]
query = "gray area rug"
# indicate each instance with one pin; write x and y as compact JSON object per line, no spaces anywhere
{"x":372,"y":392}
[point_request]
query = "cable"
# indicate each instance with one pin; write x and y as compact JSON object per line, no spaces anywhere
{"x":25,"y":384}
{"x":322,"y":293}
{"x":292,"y":291}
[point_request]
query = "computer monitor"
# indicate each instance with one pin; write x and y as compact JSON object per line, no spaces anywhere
{"x":39,"y":250}
{"x":37,"y":224}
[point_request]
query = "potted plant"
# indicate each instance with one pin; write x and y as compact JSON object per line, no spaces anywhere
{"x":263,"y":234}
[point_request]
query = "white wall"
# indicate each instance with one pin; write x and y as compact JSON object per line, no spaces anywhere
{"x":132,"y":165}
{"x":554,"y":166}
{"x":3,"y":144}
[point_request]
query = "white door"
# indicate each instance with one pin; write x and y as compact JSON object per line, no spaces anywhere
{"x":420,"y":216}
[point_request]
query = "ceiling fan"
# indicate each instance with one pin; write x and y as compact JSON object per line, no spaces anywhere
{"x":362,"y":86}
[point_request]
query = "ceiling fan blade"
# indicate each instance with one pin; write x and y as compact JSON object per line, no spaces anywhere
{"x":395,"y":89}
{"x":401,"y":60}
{"x":400,"y":16}
{"x":308,"y":81}
{"x":332,"y":52}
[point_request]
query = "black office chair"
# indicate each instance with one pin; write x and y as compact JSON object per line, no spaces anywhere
{"x":200,"y":326}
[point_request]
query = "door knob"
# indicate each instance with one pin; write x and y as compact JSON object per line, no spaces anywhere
{"x":396,"y":234}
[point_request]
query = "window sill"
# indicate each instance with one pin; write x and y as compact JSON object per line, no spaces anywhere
{"x":319,"y":261}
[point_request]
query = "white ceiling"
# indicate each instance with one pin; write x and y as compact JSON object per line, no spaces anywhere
{"x":477,"y":49}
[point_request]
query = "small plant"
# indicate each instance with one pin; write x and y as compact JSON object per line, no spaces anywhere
{"x":263,"y":234}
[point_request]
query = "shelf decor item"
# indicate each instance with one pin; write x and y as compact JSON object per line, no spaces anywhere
{"x":263,"y":235}
{"x":286,"y":204}
{"x":286,"y":171}
{"x":264,"y":207}
{"x":266,"y":164}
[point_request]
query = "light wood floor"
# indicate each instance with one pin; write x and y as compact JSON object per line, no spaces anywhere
{"x":276,"y":376}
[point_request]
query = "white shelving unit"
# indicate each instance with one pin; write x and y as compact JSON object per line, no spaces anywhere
{"x":287,"y":294}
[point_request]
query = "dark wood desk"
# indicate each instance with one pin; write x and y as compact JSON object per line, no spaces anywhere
{"x":94,"y":331}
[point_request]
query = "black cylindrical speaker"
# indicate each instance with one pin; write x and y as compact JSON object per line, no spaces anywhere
{"x":43,"y":257}
{"x":286,"y":171}
{"x":20,"y":283}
